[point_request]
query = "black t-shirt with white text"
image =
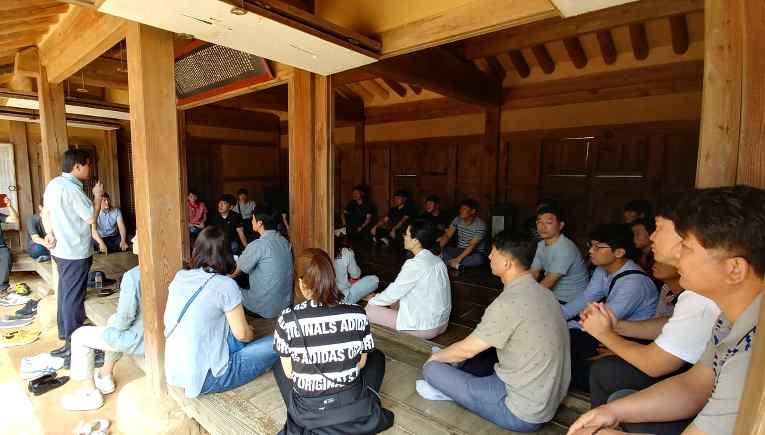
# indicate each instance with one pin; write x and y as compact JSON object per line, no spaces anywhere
{"x":333,"y":340}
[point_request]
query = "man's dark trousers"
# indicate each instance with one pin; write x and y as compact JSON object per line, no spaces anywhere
{"x":72,"y":286}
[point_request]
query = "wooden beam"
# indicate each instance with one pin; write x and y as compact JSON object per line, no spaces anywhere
{"x":310,"y":155}
{"x":157,"y":185}
{"x":27,"y":63}
{"x":543,"y":58}
{"x":361,"y":91}
{"x":78,"y":39}
{"x":9,"y":5}
{"x":678,"y":26}
{"x":105,"y":72}
{"x":377,"y":89}
{"x":475,"y":18}
{"x":519,"y":63}
{"x":18,"y":137}
{"x":491,"y":142}
{"x":416,"y":89}
{"x":440,"y":71}
{"x":37,"y":25}
{"x":575,"y":52}
{"x":52,"y":124}
{"x":496,"y":68}
{"x":607,"y":47}
{"x":14,"y":43}
{"x":24,"y":15}
{"x":419,"y":110}
{"x":557,"y":28}
{"x":232,"y":118}
{"x":396,"y":87}
{"x":639,"y":40}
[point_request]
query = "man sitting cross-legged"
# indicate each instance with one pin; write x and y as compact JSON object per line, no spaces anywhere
{"x":678,"y":340}
{"x":522,"y":330}
{"x":558,"y":256}
{"x":722,"y":256}
{"x":472,"y":244}
{"x":619,"y":282}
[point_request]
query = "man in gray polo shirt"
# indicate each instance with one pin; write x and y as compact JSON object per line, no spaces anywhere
{"x":723,"y":258}
{"x":69,"y":215}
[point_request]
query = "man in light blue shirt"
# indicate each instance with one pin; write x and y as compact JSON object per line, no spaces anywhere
{"x":268,"y":262}
{"x":619,"y":282}
{"x":110,"y":234}
{"x":69,"y":215}
{"x":558,"y":256}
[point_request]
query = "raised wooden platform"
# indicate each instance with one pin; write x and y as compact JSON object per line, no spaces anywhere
{"x":24,"y":263}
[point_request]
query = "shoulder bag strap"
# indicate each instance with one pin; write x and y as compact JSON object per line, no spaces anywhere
{"x":623,"y":274}
{"x":188,"y":303}
{"x":317,"y":368}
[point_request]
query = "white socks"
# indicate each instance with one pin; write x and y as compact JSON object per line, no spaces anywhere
{"x":429,"y":392}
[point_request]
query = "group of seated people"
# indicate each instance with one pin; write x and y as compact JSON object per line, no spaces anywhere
{"x":662,"y":360}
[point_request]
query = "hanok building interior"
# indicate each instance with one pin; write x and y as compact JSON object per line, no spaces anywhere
{"x":592,"y":103}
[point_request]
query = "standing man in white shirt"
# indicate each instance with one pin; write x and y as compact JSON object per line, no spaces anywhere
{"x":69,"y":214}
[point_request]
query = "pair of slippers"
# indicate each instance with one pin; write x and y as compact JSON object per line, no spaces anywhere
{"x":46,"y":383}
{"x":95,"y":427}
{"x":19,"y":337}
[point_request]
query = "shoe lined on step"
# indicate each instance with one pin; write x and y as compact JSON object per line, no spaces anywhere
{"x":104,"y":384}
{"x":83,"y":400}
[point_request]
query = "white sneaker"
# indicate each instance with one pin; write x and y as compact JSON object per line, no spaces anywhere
{"x":83,"y":400}
{"x":104,"y":384}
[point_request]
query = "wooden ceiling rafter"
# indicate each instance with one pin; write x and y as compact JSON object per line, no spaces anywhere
{"x":557,"y":29}
{"x":639,"y":40}
{"x":377,"y":89}
{"x":519,"y":63}
{"x":607,"y":46}
{"x":416,"y":89}
{"x":544,"y":60}
{"x":575,"y":52}
{"x":26,"y":14}
{"x":496,"y":68}
{"x":362,"y":92}
{"x":678,"y":26}
{"x":34,"y":25}
{"x":396,"y":87}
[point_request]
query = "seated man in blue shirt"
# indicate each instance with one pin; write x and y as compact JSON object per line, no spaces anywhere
{"x":619,"y":282}
{"x":109,"y":232}
{"x":558,"y":256}
{"x":268,"y":262}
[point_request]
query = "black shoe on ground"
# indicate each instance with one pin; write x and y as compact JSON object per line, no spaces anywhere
{"x":62,"y":352}
{"x":46,"y":383}
{"x":99,"y":359}
{"x":30,"y":308}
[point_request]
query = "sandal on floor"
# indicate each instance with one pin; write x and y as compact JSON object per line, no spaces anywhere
{"x":83,"y":400}
{"x":18,"y":337}
{"x":95,"y":427}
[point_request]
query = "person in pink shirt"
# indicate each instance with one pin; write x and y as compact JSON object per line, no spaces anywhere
{"x":196,"y":213}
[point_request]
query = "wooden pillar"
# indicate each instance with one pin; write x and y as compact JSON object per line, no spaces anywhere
{"x":184,"y":180}
{"x":110,"y":167}
{"x":732,"y":148}
{"x":311,"y":161}
{"x":52,"y":125}
{"x":491,"y":150}
{"x":26,"y":206}
{"x":156,"y":165}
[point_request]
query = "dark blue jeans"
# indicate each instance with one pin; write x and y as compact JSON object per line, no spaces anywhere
{"x":72,"y":284}
{"x":473,"y":260}
{"x":35,"y":250}
{"x":246,"y":362}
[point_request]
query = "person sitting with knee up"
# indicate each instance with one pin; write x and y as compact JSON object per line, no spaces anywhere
{"x":38,"y":248}
{"x":391,"y":227}
{"x":268,"y":263}
{"x":123,"y":333}
{"x":617,"y":281}
{"x":358,"y":213}
{"x":346,"y":267}
{"x":209,"y":346}
{"x":109,"y":231}
{"x":679,"y":331}
{"x":432,"y":213}
{"x":328,"y":356}
{"x":421,"y":290}
{"x":722,"y":257}
{"x":472,"y":244}
{"x":231,"y":223}
{"x":196,"y":213}
{"x":558,"y":256}
{"x":514,"y":369}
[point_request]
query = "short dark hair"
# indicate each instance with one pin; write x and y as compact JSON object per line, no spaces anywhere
{"x":470,"y":203}
{"x":640,"y":206}
{"x":401,"y":193}
{"x":361,"y":188}
{"x":616,"y":236}
{"x":425,"y":232}
{"x":267,"y":216}
{"x":730,"y":218}
{"x":211,"y":251}
{"x":433,"y":198}
{"x":194,"y":191}
{"x":317,"y":271}
{"x":551,"y":209}
{"x":105,"y":195}
{"x":667,"y":206}
{"x":242,"y":191}
{"x":648,"y":224}
{"x":74,"y":156}
{"x":520,"y":248}
{"x":229,"y":198}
